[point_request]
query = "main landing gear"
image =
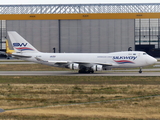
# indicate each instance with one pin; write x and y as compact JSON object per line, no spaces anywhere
{"x":140,"y":70}
{"x":86,"y":71}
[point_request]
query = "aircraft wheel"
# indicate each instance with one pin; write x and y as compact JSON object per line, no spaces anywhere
{"x":92,"y":71}
{"x":80,"y":71}
{"x":140,"y":71}
{"x":86,"y":71}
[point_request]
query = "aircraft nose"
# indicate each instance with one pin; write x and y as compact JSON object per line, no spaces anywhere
{"x":153,"y":61}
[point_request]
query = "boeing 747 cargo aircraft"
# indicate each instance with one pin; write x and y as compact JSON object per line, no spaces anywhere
{"x":84,"y":62}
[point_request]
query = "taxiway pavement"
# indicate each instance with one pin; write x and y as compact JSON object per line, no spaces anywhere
{"x":128,"y":72}
{"x":74,"y":73}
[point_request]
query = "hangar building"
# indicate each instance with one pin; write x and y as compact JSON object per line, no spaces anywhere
{"x":84,"y":28}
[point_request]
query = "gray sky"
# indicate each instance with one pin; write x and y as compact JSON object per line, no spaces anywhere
{"x":74,"y":1}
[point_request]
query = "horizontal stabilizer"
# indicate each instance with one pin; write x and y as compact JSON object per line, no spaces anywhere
{"x":2,"y":52}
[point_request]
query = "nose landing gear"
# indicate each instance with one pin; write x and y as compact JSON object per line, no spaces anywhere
{"x":140,"y":70}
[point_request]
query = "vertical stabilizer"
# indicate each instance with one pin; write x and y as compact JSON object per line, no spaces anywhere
{"x":19,"y":43}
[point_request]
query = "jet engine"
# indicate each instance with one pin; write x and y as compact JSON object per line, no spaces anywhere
{"x":74,"y":66}
{"x":97,"y":67}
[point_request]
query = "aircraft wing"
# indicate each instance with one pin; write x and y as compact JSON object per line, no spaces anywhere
{"x":58,"y":62}
{"x":51,"y":61}
{"x":95,"y":63}
{"x":20,"y":56}
{"x":80,"y":62}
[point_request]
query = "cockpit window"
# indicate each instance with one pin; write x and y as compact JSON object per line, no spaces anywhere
{"x":144,"y":53}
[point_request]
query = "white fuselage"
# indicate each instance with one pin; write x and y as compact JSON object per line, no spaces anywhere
{"x":126,"y":59}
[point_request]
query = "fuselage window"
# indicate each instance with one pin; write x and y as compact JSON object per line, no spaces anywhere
{"x":144,"y":53}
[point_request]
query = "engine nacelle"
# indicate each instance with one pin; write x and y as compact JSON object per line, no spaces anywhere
{"x":97,"y":67}
{"x":74,"y":66}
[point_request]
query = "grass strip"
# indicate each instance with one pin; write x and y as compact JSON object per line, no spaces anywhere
{"x":85,"y":103}
{"x":79,"y":80}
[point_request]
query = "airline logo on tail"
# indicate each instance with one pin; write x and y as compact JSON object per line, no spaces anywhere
{"x":18,"y":44}
{"x":21,"y":46}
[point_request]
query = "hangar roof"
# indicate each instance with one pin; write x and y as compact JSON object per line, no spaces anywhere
{"x":80,"y":8}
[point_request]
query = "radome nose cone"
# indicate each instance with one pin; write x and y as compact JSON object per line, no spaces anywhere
{"x":151,"y":60}
{"x":155,"y":60}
